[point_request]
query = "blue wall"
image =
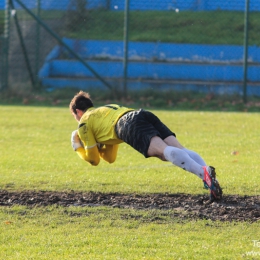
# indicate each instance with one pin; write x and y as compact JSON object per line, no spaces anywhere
{"x":57,"y":4}
{"x":171,"y":52}
{"x":153,"y":71}
{"x":152,"y":62}
{"x":2,"y":4}
{"x":196,"y":5}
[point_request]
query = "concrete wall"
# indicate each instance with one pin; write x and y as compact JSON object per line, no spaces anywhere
{"x":161,"y":64}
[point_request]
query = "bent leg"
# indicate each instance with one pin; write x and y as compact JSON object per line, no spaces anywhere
{"x":156,"y":148}
{"x":172,"y":141}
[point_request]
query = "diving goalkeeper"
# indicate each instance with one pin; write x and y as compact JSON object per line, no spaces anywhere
{"x":102,"y":129}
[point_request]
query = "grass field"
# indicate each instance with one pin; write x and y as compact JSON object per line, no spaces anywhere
{"x":43,"y":158}
{"x":215,"y":27}
{"x":36,"y":155}
{"x":183,"y":27}
{"x":1,"y":21}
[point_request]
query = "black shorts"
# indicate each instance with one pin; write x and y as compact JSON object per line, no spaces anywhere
{"x":136,"y":128}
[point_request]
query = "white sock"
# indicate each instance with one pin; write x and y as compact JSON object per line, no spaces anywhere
{"x":196,"y":157}
{"x":181,"y":158}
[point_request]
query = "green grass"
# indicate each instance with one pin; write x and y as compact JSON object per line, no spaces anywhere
{"x":2,"y":14}
{"x":23,"y":15}
{"x":44,"y":14}
{"x":216,"y":27}
{"x":36,"y":155}
{"x":154,"y":99}
{"x":44,"y":159}
{"x":87,"y":233}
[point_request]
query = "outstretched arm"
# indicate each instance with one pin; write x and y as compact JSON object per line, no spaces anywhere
{"x":109,"y":152}
{"x":90,"y":155}
{"x":93,"y":154}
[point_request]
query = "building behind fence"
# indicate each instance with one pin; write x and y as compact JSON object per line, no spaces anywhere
{"x":42,"y":45}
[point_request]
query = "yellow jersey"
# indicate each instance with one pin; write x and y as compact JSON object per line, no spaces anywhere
{"x":97,"y":125}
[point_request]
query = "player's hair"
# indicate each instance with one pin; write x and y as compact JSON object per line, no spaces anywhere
{"x":80,"y":101}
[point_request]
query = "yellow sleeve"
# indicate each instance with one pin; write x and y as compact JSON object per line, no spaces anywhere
{"x":90,"y":155}
{"x":109,"y":152}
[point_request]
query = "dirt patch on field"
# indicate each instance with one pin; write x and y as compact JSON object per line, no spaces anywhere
{"x":231,"y":208}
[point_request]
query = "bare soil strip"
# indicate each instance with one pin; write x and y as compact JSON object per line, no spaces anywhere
{"x":231,"y":208}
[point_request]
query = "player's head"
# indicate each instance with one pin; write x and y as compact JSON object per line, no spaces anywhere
{"x":81,"y":101}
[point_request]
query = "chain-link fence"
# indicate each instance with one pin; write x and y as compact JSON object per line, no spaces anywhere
{"x":197,"y":44}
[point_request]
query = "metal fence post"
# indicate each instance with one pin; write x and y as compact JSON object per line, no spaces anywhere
{"x":6,"y":37}
{"x":19,"y":32}
{"x":37,"y":48}
{"x":245,"y":52}
{"x":60,"y":41}
{"x":126,"y":45}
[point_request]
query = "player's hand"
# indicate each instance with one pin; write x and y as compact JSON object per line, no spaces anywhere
{"x":75,"y":140}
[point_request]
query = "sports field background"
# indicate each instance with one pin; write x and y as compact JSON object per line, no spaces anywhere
{"x":36,"y":143}
{"x":203,"y":23}
{"x":36,"y":155}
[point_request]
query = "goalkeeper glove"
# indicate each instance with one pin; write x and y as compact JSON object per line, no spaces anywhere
{"x":75,"y":140}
